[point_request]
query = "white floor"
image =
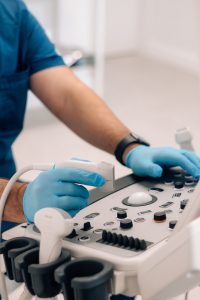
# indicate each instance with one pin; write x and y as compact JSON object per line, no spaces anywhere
{"x":153,"y":99}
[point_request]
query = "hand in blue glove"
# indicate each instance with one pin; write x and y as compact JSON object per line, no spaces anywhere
{"x":149,"y":161}
{"x":59,"y":188}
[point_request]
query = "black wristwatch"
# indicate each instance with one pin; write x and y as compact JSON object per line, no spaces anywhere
{"x":130,"y":139}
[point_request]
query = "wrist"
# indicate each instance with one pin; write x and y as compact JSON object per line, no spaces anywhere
{"x":13,"y":210}
{"x":130,"y":155}
{"x":131,"y":141}
{"x":127,"y":150}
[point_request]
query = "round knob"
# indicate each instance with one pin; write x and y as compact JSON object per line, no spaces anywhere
{"x":179,"y":184}
{"x":189,"y":182}
{"x":183,"y":203}
{"x":121,"y":214}
{"x":126,"y":224}
{"x":172,"y":224}
{"x":188,"y":176}
{"x":169,"y":181}
{"x":160,"y":216}
{"x":139,"y":198}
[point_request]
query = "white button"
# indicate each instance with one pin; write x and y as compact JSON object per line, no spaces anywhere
{"x":139,"y":198}
{"x":84,"y":239}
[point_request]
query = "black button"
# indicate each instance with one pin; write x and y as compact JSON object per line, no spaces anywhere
{"x":179,"y":184}
{"x":72,"y":234}
{"x":131,"y":242}
{"x":121,"y":214}
{"x":126,"y":224}
{"x":86,"y":226}
{"x":143,"y":245}
{"x":160,"y":216}
{"x":104,"y":235}
{"x":183,"y":203}
{"x":109,"y":237}
{"x":125,"y":241}
{"x":137,"y":244}
{"x":172,"y":224}
{"x":120,"y":239}
{"x":114,"y":238}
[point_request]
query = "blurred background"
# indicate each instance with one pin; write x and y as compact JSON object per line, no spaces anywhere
{"x":141,"y":56}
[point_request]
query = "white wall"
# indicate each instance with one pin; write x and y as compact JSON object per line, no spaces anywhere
{"x":170,"y":31}
{"x":122,"y":20}
{"x":44,"y":10}
{"x":165,"y":29}
{"x":77,"y":24}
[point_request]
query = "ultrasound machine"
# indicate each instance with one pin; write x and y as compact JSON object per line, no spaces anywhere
{"x":138,"y":236}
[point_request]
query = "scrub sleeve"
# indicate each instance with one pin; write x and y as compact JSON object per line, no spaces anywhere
{"x":24,"y":50}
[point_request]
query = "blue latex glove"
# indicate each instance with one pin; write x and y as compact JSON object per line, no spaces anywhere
{"x":59,"y":188}
{"x":149,"y":161}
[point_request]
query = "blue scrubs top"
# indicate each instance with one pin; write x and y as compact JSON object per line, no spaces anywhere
{"x":24,"y":50}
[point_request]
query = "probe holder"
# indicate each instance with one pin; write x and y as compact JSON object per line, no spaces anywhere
{"x":39,"y":278}
{"x":85,"y":278}
{"x":10,"y":250}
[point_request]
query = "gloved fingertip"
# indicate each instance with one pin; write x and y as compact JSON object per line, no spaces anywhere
{"x":197,"y":174}
{"x":131,"y":154}
{"x":85,"y":194}
{"x":156,"y":171}
{"x":73,"y":212}
{"x":84,"y":203}
{"x":99,"y":181}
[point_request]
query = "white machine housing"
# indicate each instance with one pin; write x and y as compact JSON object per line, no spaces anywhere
{"x":171,"y":263}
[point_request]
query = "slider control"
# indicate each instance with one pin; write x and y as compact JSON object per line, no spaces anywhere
{"x":86,"y":226}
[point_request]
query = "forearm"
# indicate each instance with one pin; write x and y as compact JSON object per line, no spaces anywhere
{"x":79,"y":108}
{"x":13,"y":210}
{"x":94,"y":121}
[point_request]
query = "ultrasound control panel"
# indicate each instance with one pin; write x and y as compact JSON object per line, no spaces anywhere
{"x":135,"y":216}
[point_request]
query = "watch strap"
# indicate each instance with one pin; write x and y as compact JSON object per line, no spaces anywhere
{"x":130,"y":139}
